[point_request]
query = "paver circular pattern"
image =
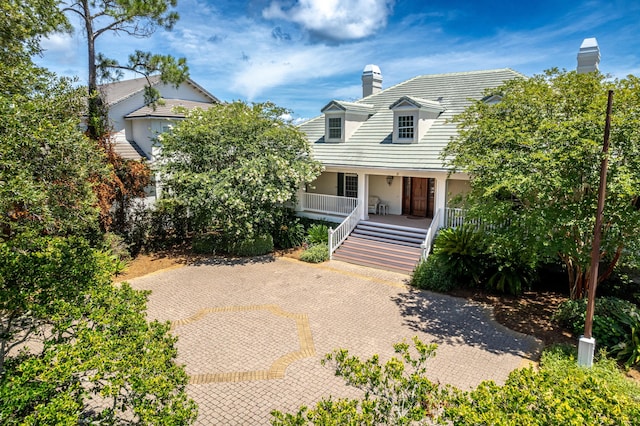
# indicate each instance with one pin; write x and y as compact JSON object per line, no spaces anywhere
{"x":251,"y":333}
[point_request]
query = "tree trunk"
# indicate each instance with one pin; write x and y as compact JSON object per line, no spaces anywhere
{"x":612,"y":264}
{"x":577,"y":278}
{"x":94,"y":103}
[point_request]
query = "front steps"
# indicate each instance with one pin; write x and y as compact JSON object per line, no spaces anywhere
{"x":382,"y":246}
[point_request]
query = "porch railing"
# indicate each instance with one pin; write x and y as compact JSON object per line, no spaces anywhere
{"x":458,"y":217}
{"x":454,"y":217}
{"x":338,"y":235}
{"x":431,"y":234}
{"x":329,"y":204}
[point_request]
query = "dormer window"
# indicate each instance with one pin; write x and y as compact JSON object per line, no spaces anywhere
{"x":335,"y":127}
{"x":405,"y":127}
{"x":412,"y":117}
{"x":342,"y":119}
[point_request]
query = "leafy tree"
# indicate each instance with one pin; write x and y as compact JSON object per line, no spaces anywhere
{"x":55,"y":290}
{"x":98,"y":360}
{"x":46,"y":163}
{"x":23,"y":24}
{"x":37,"y":273}
{"x":234,"y":167}
{"x":534,"y":157}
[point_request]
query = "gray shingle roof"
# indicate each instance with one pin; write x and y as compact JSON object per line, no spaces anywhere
{"x":167,"y":110}
{"x":121,"y":90}
{"x":370,"y":145}
{"x":351,"y":106}
{"x":128,"y":150}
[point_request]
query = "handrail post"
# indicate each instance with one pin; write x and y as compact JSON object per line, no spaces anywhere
{"x":330,"y":243}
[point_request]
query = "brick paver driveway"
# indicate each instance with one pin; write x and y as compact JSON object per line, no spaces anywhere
{"x":252,"y":333}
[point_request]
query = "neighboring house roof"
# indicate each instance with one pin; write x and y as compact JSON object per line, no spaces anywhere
{"x":121,"y":90}
{"x":168,"y":110}
{"x":115,"y":94}
{"x":128,"y":150}
{"x":371,"y":144}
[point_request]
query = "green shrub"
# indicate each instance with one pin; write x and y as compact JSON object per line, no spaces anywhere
{"x":510,"y":277}
{"x":289,"y":235}
{"x":396,"y":392}
{"x":208,"y":243}
{"x":257,"y":246}
{"x":629,"y":350}
{"x":623,"y":284}
{"x":318,"y":234}
{"x":561,"y":393}
{"x":462,"y":250}
{"x":308,"y":222}
{"x":613,"y":322}
{"x":316,"y":254}
{"x":117,"y":248}
{"x":432,"y":274}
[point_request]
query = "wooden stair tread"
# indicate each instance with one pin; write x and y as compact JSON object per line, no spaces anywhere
{"x":383,"y":246}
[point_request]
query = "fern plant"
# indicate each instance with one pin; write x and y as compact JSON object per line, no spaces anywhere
{"x":462,"y":249}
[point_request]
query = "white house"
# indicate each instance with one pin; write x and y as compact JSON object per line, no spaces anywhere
{"x":382,"y":156}
{"x":135,"y":125}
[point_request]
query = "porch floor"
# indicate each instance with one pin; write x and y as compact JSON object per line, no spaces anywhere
{"x":401,"y":220}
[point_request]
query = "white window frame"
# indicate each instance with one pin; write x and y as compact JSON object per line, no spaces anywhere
{"x":351,"y":185}
{"x":406,"y":125}
{"x":331,"y":127}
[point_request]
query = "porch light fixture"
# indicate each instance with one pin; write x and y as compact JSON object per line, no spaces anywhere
{"x":389,"y":180}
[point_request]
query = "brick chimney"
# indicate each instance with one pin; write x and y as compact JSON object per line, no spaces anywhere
{"x":588,"y":56}
{"x":371,"y":80}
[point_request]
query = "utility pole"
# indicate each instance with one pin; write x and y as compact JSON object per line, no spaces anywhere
{"x":587,"y":344}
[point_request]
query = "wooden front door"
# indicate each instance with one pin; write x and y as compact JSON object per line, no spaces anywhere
{"x":418,"y":196}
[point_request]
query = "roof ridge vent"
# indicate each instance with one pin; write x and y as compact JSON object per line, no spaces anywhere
{"x":588,"y":56}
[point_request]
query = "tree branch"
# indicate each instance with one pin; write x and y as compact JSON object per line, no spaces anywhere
{"x":612,"y":264}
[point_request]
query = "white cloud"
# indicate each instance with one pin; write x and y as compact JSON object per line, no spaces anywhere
{"x":242,"y":56}
{"x":268,"y":69}
{"x":67,"y":50}
{"x":335,"y":20}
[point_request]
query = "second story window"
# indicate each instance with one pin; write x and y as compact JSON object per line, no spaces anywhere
{"x":335,"y":128}
{"x":405,"y":127}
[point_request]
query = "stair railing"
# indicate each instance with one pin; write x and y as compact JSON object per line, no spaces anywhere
{"x":434,"y":227}
{"x":338,"y":235}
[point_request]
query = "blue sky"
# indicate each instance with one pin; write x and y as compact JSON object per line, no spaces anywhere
{"x":302,"y":54}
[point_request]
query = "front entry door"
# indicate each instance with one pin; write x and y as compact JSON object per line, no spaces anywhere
{"x":418,"y":196}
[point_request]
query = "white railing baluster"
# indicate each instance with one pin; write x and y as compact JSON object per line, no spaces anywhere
{"x":338,"y":235}
{"x":329,"y":204}
{"x":434,"y":227}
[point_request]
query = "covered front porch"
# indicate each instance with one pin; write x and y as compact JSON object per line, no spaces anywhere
{"x":403,"y":197}
{"x":384,"y":207}
{"x":335,"y":209}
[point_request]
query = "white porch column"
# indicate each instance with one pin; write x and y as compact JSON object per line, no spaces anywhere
{"x":300,"y":200}
{"x":363,"y":194}
{"x":441,"y":197}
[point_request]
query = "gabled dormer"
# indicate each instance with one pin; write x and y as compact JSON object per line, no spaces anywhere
{"x":344,"y":118}
{"x":412,"y":117}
